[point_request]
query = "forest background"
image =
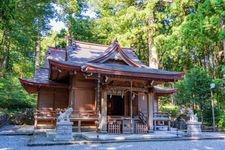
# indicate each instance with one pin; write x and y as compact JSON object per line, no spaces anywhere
{"x":187,"y":35}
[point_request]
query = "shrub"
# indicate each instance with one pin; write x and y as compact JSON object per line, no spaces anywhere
{"x":221,"y":123}
{"x":13,"y":96}
{"x":170,"y":108}
{"x":19,"y":117}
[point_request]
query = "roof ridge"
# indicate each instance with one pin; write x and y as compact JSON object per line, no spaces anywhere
{"x":89,"y":43}
{"x":115,"y":47}
{"x":95,"y":44}
{"x":54,"y":48}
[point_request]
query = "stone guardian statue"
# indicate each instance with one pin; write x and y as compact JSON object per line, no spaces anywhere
{"x":64,"y":116}
{"x":193,"y":126}
{"x":64,"y":126}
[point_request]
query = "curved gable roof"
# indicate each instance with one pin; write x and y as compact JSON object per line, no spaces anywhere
{"x":116,"y":52}
{"x":84,"y":52}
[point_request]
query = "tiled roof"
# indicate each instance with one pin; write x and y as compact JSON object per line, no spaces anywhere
{"x":41,"y":78}
{"x":119,"y":67}
{"x":131,"y":54}
{"x":88,"y":57}
{"x":54,"y":54}
{"x":83,"y":52}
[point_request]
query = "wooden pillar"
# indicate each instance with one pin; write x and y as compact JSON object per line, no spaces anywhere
{"x":38,"y":98}
{"x":156,"y":103}
{"x":131,"y":102}
{"x":98,"y":99}
{"x":72,"y":91}
{"x":98,"y":95}
{"x":54,"y":99}
{"x":150,"y":111}
{"x":73,"y":100}
{"x":38,"y":107}
{"x":103,"y":117}
{"x":125,"y":106}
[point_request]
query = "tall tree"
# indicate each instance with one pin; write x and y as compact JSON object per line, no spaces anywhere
{"x":71,"y":9}
{"x":194,"y":91}
{"x":7,"y":15}
{"x":153,"y":60}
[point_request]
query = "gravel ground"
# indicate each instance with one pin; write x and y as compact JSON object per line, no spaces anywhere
{"x":19,"y":143}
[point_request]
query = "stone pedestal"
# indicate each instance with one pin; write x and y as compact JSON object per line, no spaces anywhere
{"x":64,"y":131}
{"x":193,"y":128}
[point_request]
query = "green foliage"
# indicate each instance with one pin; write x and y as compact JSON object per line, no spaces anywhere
{"x":83,"y":29}
{"x":186,"y":33}
{"x":170,"y":108}
{"x":20,"y":24}
{"x":13,"y":96}
{"x":194,"y":37}
{"x":54,"y":39}
{"x":194,"y":91}
{"x":221,"y":123}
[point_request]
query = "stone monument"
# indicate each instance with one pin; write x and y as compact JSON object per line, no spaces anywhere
{"x":64,"y":126}
{"x":193,"y":126}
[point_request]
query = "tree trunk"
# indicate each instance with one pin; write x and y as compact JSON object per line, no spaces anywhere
{"x":69,"y":25}
{"x":223,"y":26}
{"x":224,"y":48}
{"x":38,"y":45}
{"x":37,"y":52}
{"x":153,"y":57}
{"x":5,"y":52}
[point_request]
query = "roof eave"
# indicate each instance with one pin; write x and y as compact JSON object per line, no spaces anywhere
{"x":62,"y":67}
{"x":164,"y":91}
{"x":152,"y":76}
{"x":26,"y":83}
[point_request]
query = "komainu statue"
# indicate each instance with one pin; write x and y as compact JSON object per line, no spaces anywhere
{"x":64,"y":116}
{"x":193,"y":117}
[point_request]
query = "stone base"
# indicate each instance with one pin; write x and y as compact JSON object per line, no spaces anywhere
{"x":150,"y":131}
{"x":102,"y":132}
{"x":194,"y":128}
{"x":64,"y":131}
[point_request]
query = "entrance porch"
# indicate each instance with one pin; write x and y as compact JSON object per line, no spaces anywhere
{"x":125,"y":109}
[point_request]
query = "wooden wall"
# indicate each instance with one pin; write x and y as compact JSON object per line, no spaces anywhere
{"x":52,"y":98}
{"x":142,"y":102}
{"x":84,"y":94}
{"x":135,"y":106}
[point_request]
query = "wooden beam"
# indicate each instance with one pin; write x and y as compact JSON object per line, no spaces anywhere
{"x":127,"y":79}
{"x":126,"y":88}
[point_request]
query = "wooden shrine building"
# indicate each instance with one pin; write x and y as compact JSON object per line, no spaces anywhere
{"x":107,"y":86}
